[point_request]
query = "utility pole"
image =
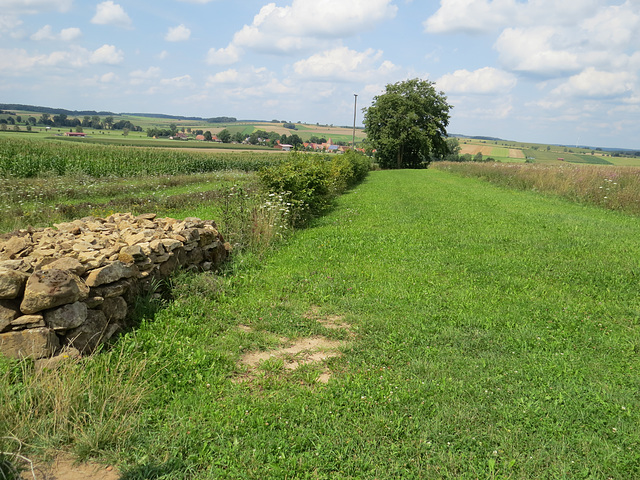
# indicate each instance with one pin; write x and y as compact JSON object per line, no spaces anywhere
{"x":355,"y":104}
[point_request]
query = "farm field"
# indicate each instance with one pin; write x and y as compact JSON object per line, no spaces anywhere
{"x":516,"y":152}
{"x":468,"y":331}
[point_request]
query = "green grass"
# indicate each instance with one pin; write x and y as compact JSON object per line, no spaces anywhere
{"x":495,"y":336}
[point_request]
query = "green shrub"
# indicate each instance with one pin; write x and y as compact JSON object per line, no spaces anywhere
{"x":310,"y":181}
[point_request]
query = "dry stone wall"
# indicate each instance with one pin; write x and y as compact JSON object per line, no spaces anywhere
{"x":74,"y":285}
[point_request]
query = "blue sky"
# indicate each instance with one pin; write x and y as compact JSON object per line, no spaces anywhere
{"x":543,"y":71}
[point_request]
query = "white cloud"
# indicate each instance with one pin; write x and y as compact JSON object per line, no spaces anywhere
{"x":178,"y":82}
{"x":109,"y":13}
{"x":487,"y":80}
{"x":178,"y":34}
{"x":162,"y":55}
{"x":107,"y":54}
{"x":614,"y":26}
{"x":108,"y":77}
{"x":300,"y":25}
{"x":141,"y":76}
{"x":343,"y":64}
{"x":202,"y":2}
{"x":46,"y":33}
{"x":32,"y":7}
{"x":471,"y":16}
{"x":536,"y":50}
{"x":228,"y":76}
{"x":9,"y":23}
{"x":595,"y":83}
{"x":70,"y":34}
{"x":224,"y":56}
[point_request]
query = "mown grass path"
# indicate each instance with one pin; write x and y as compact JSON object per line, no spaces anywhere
{"x":496,"y":335}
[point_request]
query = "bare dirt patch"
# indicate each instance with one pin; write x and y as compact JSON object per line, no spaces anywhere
{"x":65,"y":468}
{"x":296,"y":353}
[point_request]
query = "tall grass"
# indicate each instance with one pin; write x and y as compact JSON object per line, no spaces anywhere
{"x":614,"y":188}
{"x":88,"y":405}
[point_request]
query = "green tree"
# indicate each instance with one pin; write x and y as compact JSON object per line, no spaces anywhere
{"x":295,"y":140}
{"x":207,"y":136}
{"x":224,"y":136}
{"x":407,"y":124}
{"x":108,"y":122}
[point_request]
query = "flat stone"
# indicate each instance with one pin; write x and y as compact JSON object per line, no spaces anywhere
{"x":28,"y":321}
{"x":134,"y":251}
{"x":9,"y":311}
{"x":67,"y":263}
{"x":66,"y":317}
{"x":16,"y":247}
{"x":114,"y":308}
{"x":116,"y":289}
{"x":109,"y":274}
{"x":12,"y":283}
{"x":33,"y":342}
{"x":157,"y":247}
{"x":20,"y":264}
{"x":170,"y":244}
{"x":52,"y":288}
{"x":94,"y":302}
{"x":90,"y":334}
{"x":92,"y":259}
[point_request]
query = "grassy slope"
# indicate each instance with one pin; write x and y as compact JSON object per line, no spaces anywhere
{"x":496,"y":336}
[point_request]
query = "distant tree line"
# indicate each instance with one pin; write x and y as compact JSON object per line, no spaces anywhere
{"x":222,"y":120}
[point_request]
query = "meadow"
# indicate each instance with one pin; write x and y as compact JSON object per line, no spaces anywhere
{"x":470,"y":331}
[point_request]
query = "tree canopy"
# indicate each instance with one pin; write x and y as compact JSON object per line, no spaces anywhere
{"x":407,"y":124}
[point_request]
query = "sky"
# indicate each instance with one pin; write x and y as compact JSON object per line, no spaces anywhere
{"x":546,"y":71}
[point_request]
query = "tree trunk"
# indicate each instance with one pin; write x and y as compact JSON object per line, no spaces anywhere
{"x":400,"y":153}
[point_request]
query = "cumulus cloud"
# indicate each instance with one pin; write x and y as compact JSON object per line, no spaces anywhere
{"x":178,"y":82}
{"x":614,"y":26}
{"x":343,"y":64}
{"x":109,"y":13}
{"x":19,"y":61}
{"x":47,"y":33}
{"x":107,"y":54}
{"x":471,"y":16}
{"x":32,"y":7}
{"x":595,"y":83}
{"x":536,"y":50}
{"x":546,"y":37}
{"x":300,"y":25}
{"x":141,"y":76}
{"x":178,"y":34}
{"x":228,"y":76}
{"x":487,"y":80}
{"x":223,"y":56}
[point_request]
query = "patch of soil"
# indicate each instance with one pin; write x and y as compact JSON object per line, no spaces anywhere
{"x":65,"y":468}
{"x":303,"y":351}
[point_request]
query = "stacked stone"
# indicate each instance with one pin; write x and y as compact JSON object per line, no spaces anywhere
{"x":74,"y":285}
